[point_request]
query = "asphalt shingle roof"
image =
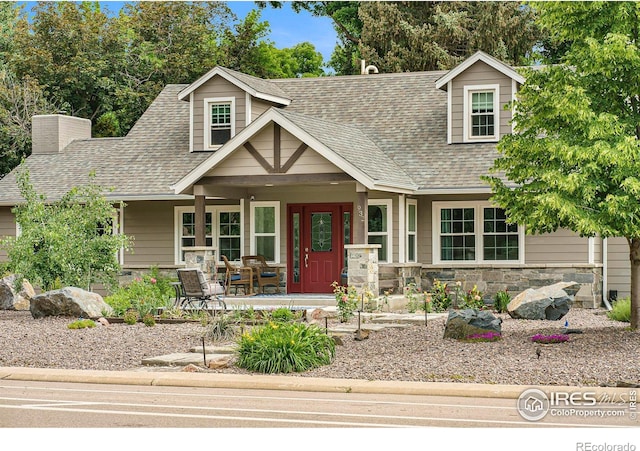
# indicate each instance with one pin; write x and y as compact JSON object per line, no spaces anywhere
{"x":391,"y":126}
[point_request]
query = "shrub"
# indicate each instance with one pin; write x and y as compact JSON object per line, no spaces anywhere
{"x":282,"y":315}
{"x":131,"y":317}
{"x":149,"y":320}
{"x":221,"y":327}
{"x":346,"y":300}
{"x":144,"y":294}
{"x":501,"y":301}
{"x":81,"y":324}
{"x":546,"y":339}
{"x":621,"y":310}
{"x":440,"y":296}
{"x":416,"y":298}
{"x":472,"y":299}
{"x":284,"y":348}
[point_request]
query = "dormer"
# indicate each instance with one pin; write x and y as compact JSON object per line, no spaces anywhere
{"x":477,"y":91}
{"x":223,"y":102}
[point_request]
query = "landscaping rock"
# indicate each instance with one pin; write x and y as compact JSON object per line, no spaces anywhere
{"x":9,"y":299}
{"x":551,"y":302}
{"x":69,"y":301}
{"x":220,"y":362}
{"x":462,"y":323}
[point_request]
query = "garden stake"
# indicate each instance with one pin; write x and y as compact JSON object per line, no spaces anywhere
{"x":326,"y":325}
{"x":204,"y":354}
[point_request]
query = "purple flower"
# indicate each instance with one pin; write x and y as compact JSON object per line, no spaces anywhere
{"x":486,"y":336}
{"x":554,"y":338}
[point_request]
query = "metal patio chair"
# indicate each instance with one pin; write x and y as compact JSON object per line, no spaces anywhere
{"x":196,"y":293}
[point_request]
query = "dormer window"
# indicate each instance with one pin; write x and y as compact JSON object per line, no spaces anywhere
{"x":481,"y":113}
{"x":219,"y":121}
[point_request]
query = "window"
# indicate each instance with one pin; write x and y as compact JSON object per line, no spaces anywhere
{"x":481,"y":113}
{"x":474,"y":232}
{"x":265,"y":230}
{"x":412,"y":218}
{"x":222,"y":227}
{"x":219,"y":121}
{"x":379,"y":228}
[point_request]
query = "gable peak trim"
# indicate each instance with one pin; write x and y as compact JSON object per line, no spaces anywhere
{"x":485,"y":58}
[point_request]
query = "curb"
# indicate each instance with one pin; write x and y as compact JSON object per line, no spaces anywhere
{"x":292,"y":383}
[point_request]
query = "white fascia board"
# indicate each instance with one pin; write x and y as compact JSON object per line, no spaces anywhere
{"x":231,"y":79}
{"x":136,"y":197}
{"x":393,"y":188}
{"x":487,"y":59}
{"x":435,"y":191}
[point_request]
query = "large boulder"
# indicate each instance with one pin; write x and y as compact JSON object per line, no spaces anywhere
{"x":551,"y":302}
{"x":69,"y":301}
{"x":10,"y":299}
{"x":462,"y":323}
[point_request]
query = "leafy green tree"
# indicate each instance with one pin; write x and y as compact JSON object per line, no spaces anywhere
{"x":20,"y":100}
{"x":69,"y":242}
{"x":574,"y":159}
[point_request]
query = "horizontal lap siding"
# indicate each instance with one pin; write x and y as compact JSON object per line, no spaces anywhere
{"x":478,"y":74}
{"x":151,"y":224}
{"x":618,"y":267}
{"x":216,"y":87}
{"x":7,"y":227}
{"x":562,"y":246}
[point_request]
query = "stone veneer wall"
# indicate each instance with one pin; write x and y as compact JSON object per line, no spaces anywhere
{"x":492,"y":279}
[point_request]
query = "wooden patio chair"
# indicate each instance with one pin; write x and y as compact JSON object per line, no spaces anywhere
{"x":237,"y":276}
{"x":196,"y":292}
{"x":263,"y":274}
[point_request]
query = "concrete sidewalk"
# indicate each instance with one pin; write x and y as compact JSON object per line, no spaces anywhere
{"x":279,"y":382}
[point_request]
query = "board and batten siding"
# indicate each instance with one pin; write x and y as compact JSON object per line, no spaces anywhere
{"x":216,"y":87}
{"x":242,"y":163}
{"x":7,"y":227}
{"x":479,"y":73}
{"x":618,"y":267}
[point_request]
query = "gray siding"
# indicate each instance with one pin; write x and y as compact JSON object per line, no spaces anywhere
{"x":258,"y":107}
{"x":618,"y":267}
{"x":562,"y":246}
{"x":7,"y":227}
{"x":478,"y":74}
{"x":216,"y":87}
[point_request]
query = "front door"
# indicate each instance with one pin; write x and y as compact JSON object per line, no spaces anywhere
{"x":317,"y":234}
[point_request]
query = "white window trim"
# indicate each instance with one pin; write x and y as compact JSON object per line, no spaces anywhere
{"x":413,"y":202}
{"x":468,"y":90}
{"x":478,"y":206}
{"x":252,"y":227}
{"x":389,"y":232}
{"x":214,"y":210}
{"x":207,"y":119}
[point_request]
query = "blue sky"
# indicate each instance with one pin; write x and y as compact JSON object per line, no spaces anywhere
{"x":287,"y":27}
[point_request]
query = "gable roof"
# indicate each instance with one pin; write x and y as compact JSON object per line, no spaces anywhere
{"x":344,"y":146}
{"x":485,"y":58}
{"x":140,"y":165}
{"x":257,"y":87}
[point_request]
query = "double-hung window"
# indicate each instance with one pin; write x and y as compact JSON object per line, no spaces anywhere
{"x":481,"y":113}
{"x":222,"y":227}
{"x":219,"y":121}
{"x":265,"y":228}
{"x":379,"y":227}
{"x":474,"y":232}
{"x":412,"y":226}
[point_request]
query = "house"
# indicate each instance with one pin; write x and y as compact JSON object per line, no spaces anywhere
{"x":304,"y":171}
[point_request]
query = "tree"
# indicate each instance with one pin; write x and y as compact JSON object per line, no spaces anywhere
{"x":19,"y":102}
{"x":574,"y":158}
{"x":414,"y":36}
{"x":69,"y":242}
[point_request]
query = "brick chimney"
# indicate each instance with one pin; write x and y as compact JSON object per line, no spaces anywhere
{"x":50,"y":133}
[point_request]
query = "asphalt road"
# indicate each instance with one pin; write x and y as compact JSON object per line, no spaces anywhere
{"x":33,"y":404}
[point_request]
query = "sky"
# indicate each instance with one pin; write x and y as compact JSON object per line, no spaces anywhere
{"x":288,"y":28}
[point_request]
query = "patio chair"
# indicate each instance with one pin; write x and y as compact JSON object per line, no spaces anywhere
{"x":263,"y":274}
{"x":196,"y":292}
{"x":237,"y":276}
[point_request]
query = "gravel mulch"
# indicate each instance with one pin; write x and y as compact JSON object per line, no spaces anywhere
{"x":604,"y":354}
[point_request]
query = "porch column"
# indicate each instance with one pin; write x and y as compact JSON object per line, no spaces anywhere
{"x":200,"y":220}
{"x":361,"y":219}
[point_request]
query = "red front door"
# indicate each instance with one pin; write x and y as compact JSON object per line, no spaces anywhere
{"x":316,"y":238}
